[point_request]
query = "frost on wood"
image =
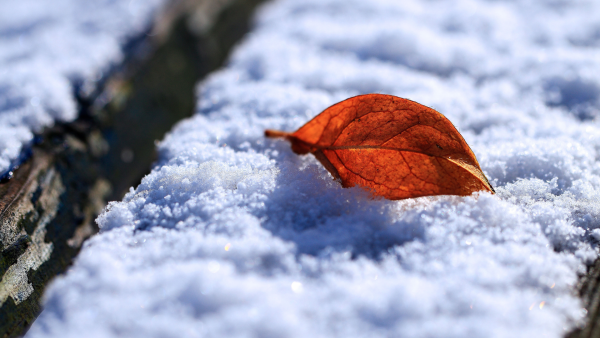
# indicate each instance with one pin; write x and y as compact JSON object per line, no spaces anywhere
{"x":235,"y":235}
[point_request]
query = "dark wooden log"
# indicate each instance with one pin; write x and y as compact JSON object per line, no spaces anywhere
{"x":589,"y":291}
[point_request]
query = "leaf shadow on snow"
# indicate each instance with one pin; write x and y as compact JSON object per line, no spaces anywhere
{"x":310,"y":209}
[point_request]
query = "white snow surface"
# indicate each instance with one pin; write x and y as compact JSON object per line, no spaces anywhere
{"x":234,"y":235}
{"x":44,"y":47}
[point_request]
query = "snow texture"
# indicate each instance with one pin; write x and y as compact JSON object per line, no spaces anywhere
{"x":232,"y":234}
{"x":47,"y":46}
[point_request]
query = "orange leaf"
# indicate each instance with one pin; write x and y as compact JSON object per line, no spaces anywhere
{"x":392,"y":146}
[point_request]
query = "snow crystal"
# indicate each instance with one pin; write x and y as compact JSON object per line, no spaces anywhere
{"x":232,"y":234}
{"x":47,"y":46}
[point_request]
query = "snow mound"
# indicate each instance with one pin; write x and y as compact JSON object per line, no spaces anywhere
{"x":46,"y":47}
{"x":232,"y":234}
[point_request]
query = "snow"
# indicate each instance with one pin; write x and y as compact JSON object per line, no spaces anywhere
{"x":46,"y":47}
{"x":232,"y":234}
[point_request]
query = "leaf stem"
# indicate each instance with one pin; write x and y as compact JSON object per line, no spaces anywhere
{"x":276,"y":133}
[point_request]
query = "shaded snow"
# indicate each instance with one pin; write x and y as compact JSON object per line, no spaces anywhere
{"x":45,"y":47}
{"x":234,"y":235}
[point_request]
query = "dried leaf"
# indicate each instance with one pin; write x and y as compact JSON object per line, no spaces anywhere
{"x":392,"y":146}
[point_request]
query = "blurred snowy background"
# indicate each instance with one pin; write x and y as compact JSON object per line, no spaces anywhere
{"x":234,"y":235}
{"x":47,"y":47}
